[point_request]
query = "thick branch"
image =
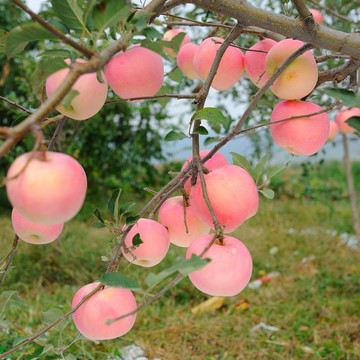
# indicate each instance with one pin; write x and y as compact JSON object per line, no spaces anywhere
{"x":305,"y":15}
{"x":339,"y":73}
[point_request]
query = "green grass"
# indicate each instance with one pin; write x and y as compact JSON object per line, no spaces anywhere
{"x":315,"y":304}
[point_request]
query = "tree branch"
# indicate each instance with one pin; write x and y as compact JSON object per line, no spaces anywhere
{"x":8,"y":258}
{"x":305,"y":16}
{"x":339,"y":73}
{"x":332,"y":12}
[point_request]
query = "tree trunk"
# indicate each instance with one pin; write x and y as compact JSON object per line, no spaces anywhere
{"x":352,"y":193}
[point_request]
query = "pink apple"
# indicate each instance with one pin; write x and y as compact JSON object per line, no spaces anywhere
{"x":299,"y":78}
{"x":156,"y":242}
{"x":137,"y":72}
{"x":91,"y":97}
{"x":334,"y":130}
{"x":302,"y":136}
{"x":344,"y":115}
{"x":231,"y":65}
{"x":171,"y":34}
{"x":171,"y":215}
{"x":50,"y":190}
{"x":255,"y":62}
{"x":33,"y":233}
{"x":229,"y":270}
{"x":232,"y":193}
{"x":216,"y":161}
{"x":317,"y":15}
{"x":185,"y":60}
{"x":106,"y":304}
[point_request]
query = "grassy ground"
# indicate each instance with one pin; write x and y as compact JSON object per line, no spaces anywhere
{"x":315,"y":302}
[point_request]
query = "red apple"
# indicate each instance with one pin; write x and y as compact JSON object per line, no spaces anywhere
{"x":344,"y":115}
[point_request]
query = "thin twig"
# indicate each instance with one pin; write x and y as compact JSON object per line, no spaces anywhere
{"x":57,"y":132}
{"x":8,"y":258}
{"x":332,"y":12}
{"x":179,"y":96}
{"x":15,"y":104}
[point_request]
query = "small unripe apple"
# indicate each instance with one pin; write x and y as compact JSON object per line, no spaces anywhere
{"x":155,"y":243}
{"x":255,"y":62}
{"x":171,"y":34}
{"x":232,"y":193}
{"x":137,"y":72}
{"x":229,"y":270}
{"x":344,"y":115}
{"x":317,"y":15}
{"x":51,"y":189}
{"x":334,"y":130}
{"x":303,"y":136}
{"x":299,"y":78}
{"x":91,"y":98}
{"x":171,"y":215}
{"x":185,"y":60}
{"x":216,"y":161}
{"x":231,"y":66}
{"x":106,"y":304}
{"x":33,"y":233}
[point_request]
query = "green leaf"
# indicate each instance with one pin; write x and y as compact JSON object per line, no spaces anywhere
{"x":5,"y":297}
{"x":130,"y":220}
{"x":176,"y":75}
{"x":151,"y":33}
{"x":43,"y":70}
{"x":349,"y":98}
{"x":127,"y":207}
{"x":3,"y":36}
{"x":136,"y":241}
{"x":140,"y":19}
{"x":241,"y":161}
{"x":18,"y":120}
{"x":175,"y":42}
{"x":98,"y":225}
{"x":108,"y":13}
{"x":50,"y":316}
{"x":119,"y":280}
{"x":59,"y":25}
{"x":164,"y":90}
{"x":70,"y":13}
{"x":274,"y":170}
{"x":259,"y":167}
{"x":268,"y":193}
{"x":69,"y":98}
{"x":18,"y":37}
{"x":70,"y":357}
{"x":174,"y":135}
{"x":212,"y":115}
{"x":184,"y":266}
{"x":354,"y":122}
{"x":201,"y":130}
{"x":57,"y":53}
{"x":210,"y":140}
{"x":113,"y":204}
{"x":155,"y":46}
{"x":98,"y":215}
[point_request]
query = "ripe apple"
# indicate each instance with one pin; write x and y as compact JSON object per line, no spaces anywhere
{"x":303,"y":136}
{"x":231,"y":65}
{"x":137,"y":72}
{"x":171,"y":34}
{"x":33,"y":233}
{"x":217,"y":161}
{"x":229,"y":270}
{"x":317,"y":15}
{"x":51,"y":188}
{"x":156,"y":242}
{"x":232,"y":193}
{"x":334,"y":130}
{"x":255,"y":62}
{"x":299,"y":78}
{"x":106,"y":304}
{"x":91,"y":97}
{"x":342,"y":116}
{"x":171,"y":215}
{"x":185,"y":60}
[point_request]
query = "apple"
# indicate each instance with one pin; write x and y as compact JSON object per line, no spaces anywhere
{"x":33,"y":233}
{"x":231,"y":66}
{"x":51,"y":189}
{"x":171,"y":34}
{"x":91,"y":98}
{"x":334,"y":130}
{"x":232,"y":193}
{"x":137,"y":72}
{"x":299,"y":78}
{"x":317,"y":15}
{"x":303,"y":136}
{"x":185,"y":60}
{"x":155,"y":243}
{"x":255,"y":62}
{"x":344,"y":115}
{"x":171,"y":215}
{"x":216,"y":161}
{"x":106,"y":304}
{"x":229,"y":270}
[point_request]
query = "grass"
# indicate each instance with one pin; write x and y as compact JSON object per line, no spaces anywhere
{"x":315,"y":301}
